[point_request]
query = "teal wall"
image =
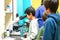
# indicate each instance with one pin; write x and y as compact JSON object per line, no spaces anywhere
{"x":21,"y":7}
{"x":26,"y":4}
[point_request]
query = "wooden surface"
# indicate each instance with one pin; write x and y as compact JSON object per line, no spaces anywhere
{"x":7,"y":18}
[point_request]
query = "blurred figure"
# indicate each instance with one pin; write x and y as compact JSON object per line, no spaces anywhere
{"x":44,"y":17}
{"x":39,"y":12}
{"x":41,"y":30}
{"x":33,"y":28}
{"x":52,"y":23}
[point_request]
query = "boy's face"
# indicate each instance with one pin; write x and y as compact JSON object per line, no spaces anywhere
{"x":47,"y":11}
{"x":29,"y":16}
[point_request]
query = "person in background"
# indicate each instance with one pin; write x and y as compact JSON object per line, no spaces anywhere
{"x":33,"y":28}
{"x":41,"y":30}
{"x":39,"y":12}
{"x":52,"y":23}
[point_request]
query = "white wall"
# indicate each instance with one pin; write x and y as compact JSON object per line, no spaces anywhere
{"x":14,"y":9}
{"x":2,"y":17}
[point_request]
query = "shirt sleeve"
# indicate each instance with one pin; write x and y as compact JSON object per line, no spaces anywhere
{"x":33,"y":30}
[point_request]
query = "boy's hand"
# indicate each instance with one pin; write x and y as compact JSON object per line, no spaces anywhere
{"x":25,"y":35}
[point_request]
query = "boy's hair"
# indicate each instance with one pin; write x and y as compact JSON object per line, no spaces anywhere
{"x":52,"y":5}
{"x":30,"y":10}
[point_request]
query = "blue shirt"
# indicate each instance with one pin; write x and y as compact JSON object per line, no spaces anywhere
{"x":52,"y":27}
{"x":38,"y":15}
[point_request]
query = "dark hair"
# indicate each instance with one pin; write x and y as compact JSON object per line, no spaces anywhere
{"x":30,"y":10}
{"x":52,"y":5}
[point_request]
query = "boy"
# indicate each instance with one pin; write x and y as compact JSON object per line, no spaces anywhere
{"x":33,"y":28}
{"x":52,"y":23}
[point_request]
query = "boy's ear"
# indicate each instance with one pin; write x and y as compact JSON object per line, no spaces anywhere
{"x":48,"y":11}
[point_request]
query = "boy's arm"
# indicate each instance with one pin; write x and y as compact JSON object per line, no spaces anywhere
{"x":34,"y":30}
